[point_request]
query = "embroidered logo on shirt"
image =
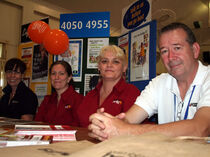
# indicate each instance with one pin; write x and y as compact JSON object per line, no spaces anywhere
{"x":67,"y":106}
{"x":117,"y":102}
{"x":193,"y":104}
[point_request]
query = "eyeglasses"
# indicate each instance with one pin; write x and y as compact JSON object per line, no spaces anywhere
{"x":179,"y":110}
{"x":13,"y":72}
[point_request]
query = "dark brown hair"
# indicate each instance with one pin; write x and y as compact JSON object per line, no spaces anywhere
{"x":176,"y":25}
{"x":15,"y":64}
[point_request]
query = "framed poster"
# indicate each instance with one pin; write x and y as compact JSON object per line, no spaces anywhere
{"x":40,"y":64}
{"x":91,"y":81}
{"x":94,"y":47}
{"x":142,"y":54}
{"x":74,"y":57}
{"x":26,"y":52}
{"x":139,"y":59}
{"x":123,"y":43}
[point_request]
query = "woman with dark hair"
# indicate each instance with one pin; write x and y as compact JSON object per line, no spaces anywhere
{"x":60,"y":107}
{"x":18,"y":101}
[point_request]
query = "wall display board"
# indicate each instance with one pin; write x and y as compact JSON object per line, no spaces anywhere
{"x":93,"y":29}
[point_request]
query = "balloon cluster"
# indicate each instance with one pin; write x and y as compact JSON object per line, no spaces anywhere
{"x":55,"y":41}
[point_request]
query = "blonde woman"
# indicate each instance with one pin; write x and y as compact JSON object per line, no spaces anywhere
{"x":112,"y":93}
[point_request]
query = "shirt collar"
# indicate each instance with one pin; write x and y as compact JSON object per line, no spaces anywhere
{"x":172,"y":85}
{"x":8,"y":89}
{"x":65,"y":93}
{"x":118,"y":87}
{"x":200,"y":75}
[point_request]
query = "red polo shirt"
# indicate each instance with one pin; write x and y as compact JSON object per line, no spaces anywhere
{"x":120,"y":100}
{"x":64,"y":113}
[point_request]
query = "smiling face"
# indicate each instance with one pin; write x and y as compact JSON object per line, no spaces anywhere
{"x":59,"y":78}
{"x":14,"y":77}
{"x":110,"y":66}
{"x":178,"y":56}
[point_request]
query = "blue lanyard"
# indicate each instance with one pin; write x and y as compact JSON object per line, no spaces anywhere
{"x":188,"y":105}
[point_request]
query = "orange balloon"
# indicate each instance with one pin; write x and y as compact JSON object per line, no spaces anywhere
{"x":37,"y":30}
{"x":56,"y":41}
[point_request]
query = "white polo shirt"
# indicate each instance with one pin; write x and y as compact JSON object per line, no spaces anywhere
{"x":162,"y":96}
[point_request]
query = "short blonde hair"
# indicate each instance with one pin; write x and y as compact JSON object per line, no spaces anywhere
{"x":116,"y":50}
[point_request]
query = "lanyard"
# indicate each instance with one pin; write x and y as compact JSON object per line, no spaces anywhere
{"x":188,"y":105}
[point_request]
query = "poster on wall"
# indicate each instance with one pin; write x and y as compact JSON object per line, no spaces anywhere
{"x":139,"y":58}
{"x":74,"y":57}
{"x":40,"y":64}
{"x":94,"y":47}
{"x":123,"y":43}
{"x":26,"y":55}
{"x":91,"y":81}
{"x":41,"y":91}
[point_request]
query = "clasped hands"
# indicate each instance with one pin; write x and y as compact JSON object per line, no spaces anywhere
{"x":104,"y":126}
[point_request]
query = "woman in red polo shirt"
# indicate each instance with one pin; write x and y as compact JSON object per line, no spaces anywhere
{"x":112,"y":93}
{"x":60,"y":107}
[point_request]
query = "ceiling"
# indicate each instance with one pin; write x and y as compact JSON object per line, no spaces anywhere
{"x":164,"y":11}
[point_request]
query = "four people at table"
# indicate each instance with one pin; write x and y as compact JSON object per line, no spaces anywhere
{"x":18,"y":101}
{"x":114,"y":107}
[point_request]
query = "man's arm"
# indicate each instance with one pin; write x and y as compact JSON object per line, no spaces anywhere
{"x":198,"y":126}
{"x":136,"y":115}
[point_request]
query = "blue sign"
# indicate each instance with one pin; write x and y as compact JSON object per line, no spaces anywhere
{"x":77,"y":25}
{"x":136,"y":14}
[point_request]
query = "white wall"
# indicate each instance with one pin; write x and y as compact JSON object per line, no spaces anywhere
{"x":14,"y":13}
{"x":10,"y":16}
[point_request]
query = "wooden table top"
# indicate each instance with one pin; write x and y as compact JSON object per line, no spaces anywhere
{"x":82,"y":134}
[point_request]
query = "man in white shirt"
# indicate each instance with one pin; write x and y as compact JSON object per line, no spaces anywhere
{"x":181,"y":97}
